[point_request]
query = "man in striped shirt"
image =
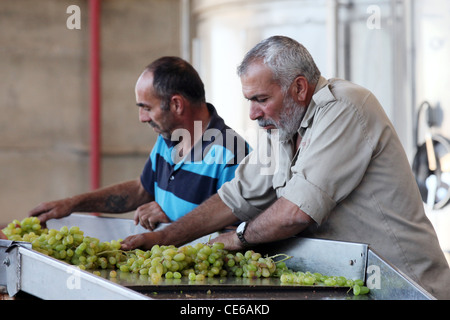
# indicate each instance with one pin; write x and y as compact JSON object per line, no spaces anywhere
{"x":180,"y":186}
{"x":195,"y":153}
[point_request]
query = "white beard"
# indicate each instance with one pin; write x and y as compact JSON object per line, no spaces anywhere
{"x":290,"y":118}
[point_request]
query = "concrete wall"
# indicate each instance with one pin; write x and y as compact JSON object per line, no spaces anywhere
{"x":44,"y":85}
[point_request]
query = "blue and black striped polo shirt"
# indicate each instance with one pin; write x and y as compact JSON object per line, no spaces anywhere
{"x":180,"y":186}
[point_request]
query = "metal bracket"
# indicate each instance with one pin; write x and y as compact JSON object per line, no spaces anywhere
{"x":10,"y":265}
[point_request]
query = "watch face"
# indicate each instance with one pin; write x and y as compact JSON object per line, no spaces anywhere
{"x":240,"y":228}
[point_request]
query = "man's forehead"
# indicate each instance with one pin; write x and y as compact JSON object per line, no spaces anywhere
{"x":257,"y":67}
{"x":144,"y":85}
{"x":257,"y":80}
{"x":145,"y":79}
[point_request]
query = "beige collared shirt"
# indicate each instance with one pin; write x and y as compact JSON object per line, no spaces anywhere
{"x":351,"y":175}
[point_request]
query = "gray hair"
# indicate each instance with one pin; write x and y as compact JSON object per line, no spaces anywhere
{"x":286,"y":58}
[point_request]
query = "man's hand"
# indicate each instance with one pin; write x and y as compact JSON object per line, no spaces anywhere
{"x":3,"y":236}
{"x":150,"y":215}
{"x":144,"y":241}
{"x":209,"y":217}
{"x":230,"y":240}
{"x":52,"y":210}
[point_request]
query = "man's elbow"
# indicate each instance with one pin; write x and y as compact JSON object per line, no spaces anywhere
{"x":297,"y":219}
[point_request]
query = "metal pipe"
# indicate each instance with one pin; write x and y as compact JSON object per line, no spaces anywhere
{"x":95,"y":132}
{"x":332,"y":37}
{"x":185,"y":29}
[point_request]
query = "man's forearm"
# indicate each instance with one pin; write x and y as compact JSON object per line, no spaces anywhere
{"x":280,"y":221}
{"x":212,"y":215}
{"x":119,"y":198}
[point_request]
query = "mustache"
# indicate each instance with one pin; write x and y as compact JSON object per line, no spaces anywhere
{"x":266,"y":122}
{"x":153,"y":125}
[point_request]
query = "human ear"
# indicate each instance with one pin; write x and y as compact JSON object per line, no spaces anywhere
{"x":177,"y":104}
{"x":299,"y":89}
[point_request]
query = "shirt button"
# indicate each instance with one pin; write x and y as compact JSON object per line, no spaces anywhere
{"x":171,"y":178}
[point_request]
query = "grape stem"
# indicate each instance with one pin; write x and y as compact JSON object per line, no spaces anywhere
{"x":114,"y":251}
{"x":287,"y":257}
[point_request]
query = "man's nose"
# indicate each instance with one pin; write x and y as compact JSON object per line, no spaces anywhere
{"x":144,"y":115}
{"x":255,"y":111}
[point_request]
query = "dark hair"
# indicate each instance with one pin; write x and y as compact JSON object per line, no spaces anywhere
{"x":173,"y":75}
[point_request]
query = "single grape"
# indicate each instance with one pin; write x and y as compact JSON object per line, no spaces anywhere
{"x":356,"y":289}
{"x":364,"y":290}
{"x":179,"y":257}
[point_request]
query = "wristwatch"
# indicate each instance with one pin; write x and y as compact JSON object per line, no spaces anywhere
{"x":240,"y":233}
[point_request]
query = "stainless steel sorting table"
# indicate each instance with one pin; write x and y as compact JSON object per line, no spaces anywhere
{"x":24,"y":269}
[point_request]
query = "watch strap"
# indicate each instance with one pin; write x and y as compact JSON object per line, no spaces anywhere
{"x":240,"y":234}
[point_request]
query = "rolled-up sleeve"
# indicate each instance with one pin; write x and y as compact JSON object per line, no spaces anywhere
{"x":310,"y":198}
{"x":251,"y":191}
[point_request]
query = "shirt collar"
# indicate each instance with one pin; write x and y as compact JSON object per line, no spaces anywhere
{"x":215,"y":121}
{"x":322,"y":95}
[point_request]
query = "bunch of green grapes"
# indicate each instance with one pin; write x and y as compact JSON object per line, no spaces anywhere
{"x":28,"y":227}
{"x":317,"y":279}
{"x":69,"y":245}
{"x":201,"y":260}
{"x":252,"y":264}
{"x":93,"y":254}
{"x":158,"y":262}
{"x":209,"y":260}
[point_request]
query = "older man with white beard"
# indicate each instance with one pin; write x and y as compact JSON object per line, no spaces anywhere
{"x":341,"y":173}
